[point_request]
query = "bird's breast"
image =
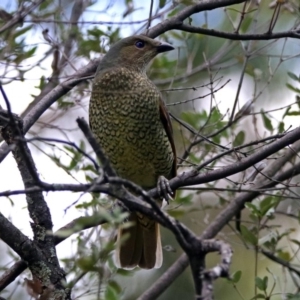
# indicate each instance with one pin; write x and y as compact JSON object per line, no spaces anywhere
{"x":124,"y":116}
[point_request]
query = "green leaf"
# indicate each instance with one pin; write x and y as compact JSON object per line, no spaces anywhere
{"x":266,"y":204}
{"x":296,"y":242}
{"x":176,"y":213}
{"x":195,"y":119}
{"x":162,"y":3}
{"x":267,"y":121}
{"x":44,"y":5}
{"x":284,"y":255}
{"x":22,"y":31}
{"x":262,"y":284}
{"x":253,"y":209}
{"x":112,"y":291}
{"x":235,"y":277}
{"x":293,"y":76}
{"x":30,"y":52}
{"x":269,"y":240}
{"x":248,"y":235}
{"x":173,"y":12}
{"x":286,"y":112}
{"x":294,"y":297}
{"x":294,"y":89}
{"x":281,"y":127}
{"x":239,"y":139}
{"x":184,"y":200}
{"x":293,"y":113}
{"x":298,"y":101}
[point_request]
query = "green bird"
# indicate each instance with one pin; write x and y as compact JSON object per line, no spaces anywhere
{"x":130,"y":121}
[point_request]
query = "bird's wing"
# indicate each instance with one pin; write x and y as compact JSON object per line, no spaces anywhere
{"x":165,"y":119}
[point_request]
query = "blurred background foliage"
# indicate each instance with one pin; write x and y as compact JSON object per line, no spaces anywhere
{"x":200,"y":81}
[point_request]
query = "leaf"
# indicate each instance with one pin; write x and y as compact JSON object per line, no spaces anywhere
{"x":176,"y":213}
{"x":294,"y":297}
{"x":269,"y":239}
{"x":262,"y":284}
{"x":298,"y":101}
{"x":235,"y":277}
{"x":281,"y":127}
{"x":194,"y":119}
{"x":293,"y":88}
{"x":248,"y":235}
{"x":173,"y":12}
{"x":266,"y":204}
{"x":295,"y":241}
{"x":239,"y":139}
{"x":293,"y":113}
{"x":284,"y":255}
{"x":267,"y":121}
{"x":162,"y":3}
{"x":184,"y":200}
{"x":113,"y":291}
{"x":253,"y":209}
{"x":22,"y":31}
{"x":293,"y":76}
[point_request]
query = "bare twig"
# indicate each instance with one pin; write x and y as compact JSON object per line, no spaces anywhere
{"x":20,"y":15}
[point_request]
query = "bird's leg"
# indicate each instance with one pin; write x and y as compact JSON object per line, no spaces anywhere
{"x":164,"y":189}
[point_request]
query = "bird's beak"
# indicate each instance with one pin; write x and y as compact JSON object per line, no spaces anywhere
{"x":164,"y":47}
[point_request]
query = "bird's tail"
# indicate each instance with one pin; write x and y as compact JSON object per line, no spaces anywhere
{"x":139,"y":244}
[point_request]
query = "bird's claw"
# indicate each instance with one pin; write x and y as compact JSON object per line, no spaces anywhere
{"x":164,"y":189}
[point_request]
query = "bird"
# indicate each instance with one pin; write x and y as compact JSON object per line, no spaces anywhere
{"x":129,"y":119}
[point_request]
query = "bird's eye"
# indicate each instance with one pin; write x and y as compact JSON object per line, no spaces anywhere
{"x":140,"y":44}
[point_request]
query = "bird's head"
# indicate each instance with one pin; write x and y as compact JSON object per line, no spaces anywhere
{"x":133,"y":52}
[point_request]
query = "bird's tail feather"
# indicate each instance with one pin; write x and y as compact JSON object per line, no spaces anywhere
{"x":142,"y":244}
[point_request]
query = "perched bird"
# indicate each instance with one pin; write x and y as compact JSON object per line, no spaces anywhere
{"x":130,"y":121}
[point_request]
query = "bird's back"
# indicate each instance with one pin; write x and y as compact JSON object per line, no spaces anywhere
{"x":125,"y":117}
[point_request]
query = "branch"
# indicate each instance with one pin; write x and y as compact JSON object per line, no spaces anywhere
{"x":240,"y":37}
{"x":221,"y":270}
{"x":225,"y":216}
{"x":33,"y":115}
{"x":281,"y":261}
{"x":193,"y":177}
{"x":20,"y":15}
{"x":58,"y":65}
{"x":60,"y":235}
{"x":42,"y":258}
{"x":177,"y":20}
{"x":37,"y":206}
{"x":187,"y":178}
{"x":195,"y":248}
{"x":181,"y":264}
{"x":96,"y":147}
{"x":47,"y":276}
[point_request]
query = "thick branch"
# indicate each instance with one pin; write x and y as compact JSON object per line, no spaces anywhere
{"x":49,"y":277}
{"x":226,"y":215}
{"x":60,"y":235}
{"x":41,"y":258}
{"x":37,"y":206}
{"x":193,"y":177}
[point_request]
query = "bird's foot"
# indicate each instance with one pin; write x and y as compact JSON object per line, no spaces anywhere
{"x":164,"y":189}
